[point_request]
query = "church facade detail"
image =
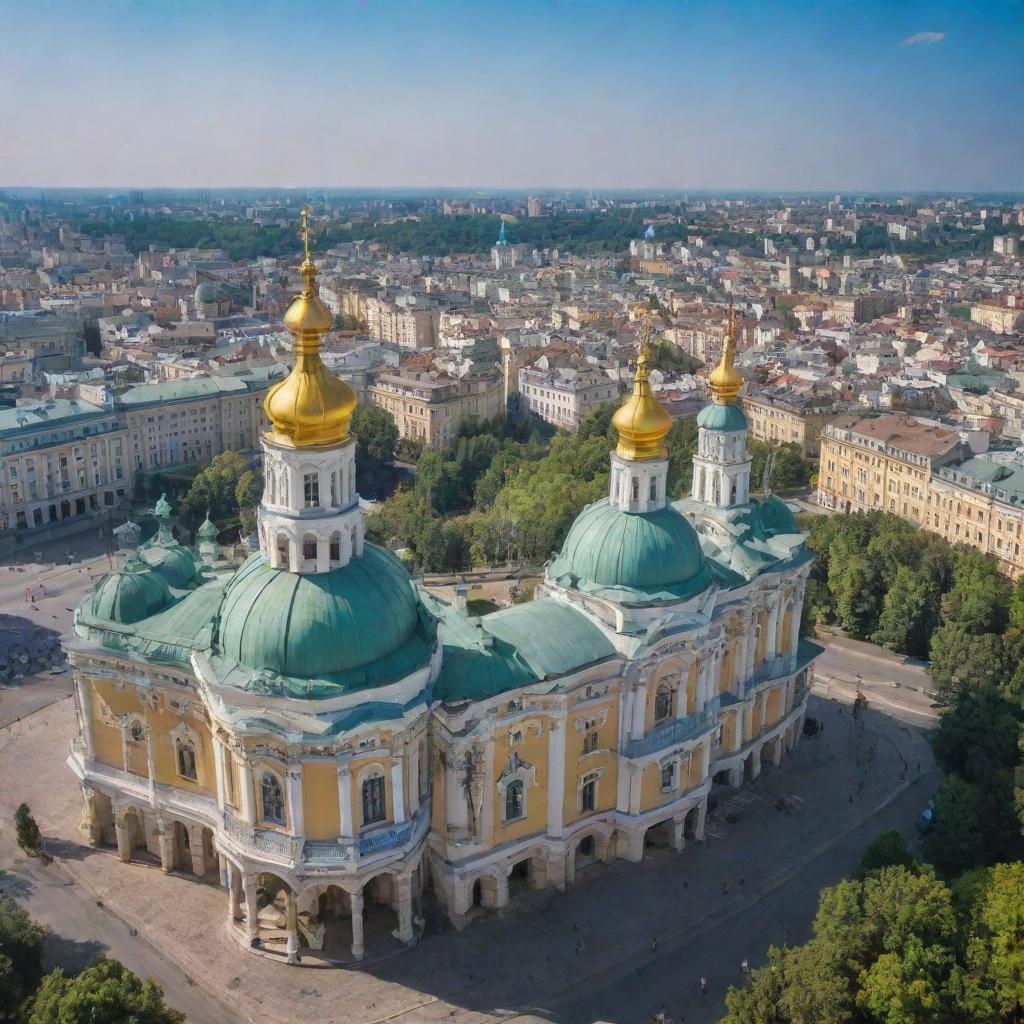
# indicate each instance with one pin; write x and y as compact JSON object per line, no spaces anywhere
{"x":330,"y":743}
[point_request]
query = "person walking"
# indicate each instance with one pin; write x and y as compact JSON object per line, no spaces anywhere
{"x":703,"y":987}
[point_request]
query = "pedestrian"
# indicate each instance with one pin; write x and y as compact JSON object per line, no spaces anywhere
{"x":743,"y":881}
{"x":703,"y":987}
{"x":654,"y":944}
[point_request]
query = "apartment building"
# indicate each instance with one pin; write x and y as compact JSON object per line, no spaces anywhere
{"x":409,"y":326}
{"x":184,"y":421}
{"x":998,"y":317}
{"x":885,"y":463}
{"x":36,"y":341}
{"x":781,"y":415}
{"x":60,"y":460}
{"x":565,"y":396}
{"x":981,"y":502}
{"x":426,"y":405}
{"x":861,"y":309}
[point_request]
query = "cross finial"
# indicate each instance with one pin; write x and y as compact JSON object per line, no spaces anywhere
{"x":304,"y":231}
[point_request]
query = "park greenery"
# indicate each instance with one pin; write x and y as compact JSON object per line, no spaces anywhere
{"x":227,"y":491}
{"x":30,"y":839}
{"x":906,"y":942}
{"x":106,"y":992}
{"x":502,"y":492}
{"x":899,"y":946}
{"x":581,"y":232}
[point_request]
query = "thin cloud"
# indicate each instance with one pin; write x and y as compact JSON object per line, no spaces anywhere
{"x":923,"y":37}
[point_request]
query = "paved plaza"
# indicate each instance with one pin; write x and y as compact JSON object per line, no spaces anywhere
{"x":619,"y":919}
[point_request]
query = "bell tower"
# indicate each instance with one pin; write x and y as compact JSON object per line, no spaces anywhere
{"x":721,"y":467}
{"x":309,"y":519}
{"x":639,"y":469}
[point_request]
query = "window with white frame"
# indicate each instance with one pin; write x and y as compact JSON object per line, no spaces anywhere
{"x":590,"y":742}
{"x":374,"y":800}
{"x":588,"y":794}
{"x":515,"y":801}
{"x":668,"y":777}
{"x":663,"y":701}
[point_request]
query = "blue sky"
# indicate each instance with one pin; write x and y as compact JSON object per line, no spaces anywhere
{"x":778,"y":94}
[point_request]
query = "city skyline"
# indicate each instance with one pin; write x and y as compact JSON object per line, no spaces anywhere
{"x":809,"y":97}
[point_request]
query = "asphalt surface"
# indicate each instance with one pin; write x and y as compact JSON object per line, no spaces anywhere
{"x":81,"y":930}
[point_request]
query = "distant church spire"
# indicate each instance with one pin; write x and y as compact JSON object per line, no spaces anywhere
{"x":502,"y":240}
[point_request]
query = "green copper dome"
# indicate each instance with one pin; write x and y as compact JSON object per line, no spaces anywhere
{"x":207,"y":530}
{"x":774,"y":516}
{"x":651,"y":552}
{"x":174,"y":562}
{"x":721,"y":417}
{"x":318,"y":624}
{"x":130,"y":594}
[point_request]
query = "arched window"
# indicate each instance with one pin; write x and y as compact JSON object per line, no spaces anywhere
{"x":311,"y":489}
{"x":663,"y":702}
{"x":374,"y":801}
{"x":515,"y":806}
{"x":636,"y":489}
{"x":187,"y":760}
{"x":588,"y":794}
{"x":335,"y":547}
{"x":668,"y":776}
{"x":273,"y":799}
{"x":309,"y":547}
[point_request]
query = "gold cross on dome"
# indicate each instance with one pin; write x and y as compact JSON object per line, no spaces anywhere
{"x":304,"y":230}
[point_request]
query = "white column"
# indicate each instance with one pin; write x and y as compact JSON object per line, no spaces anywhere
{"x":357,"y":925}
{"x":248,"y":794}
{"x":345,"y":801}
{"x":682,"y":697}
{"x":151,"y":765}
{"x":639,"y":711}
{"x":292,"y":924}
{"x":295,"y":798}
{"x":794,"y":630}
{"x":124,"y":841}
{"x":252,"y":924}
{"x":487,"y":815}
{"x":414,"y":776}
{"x":751,"y":652}
{"x":85,"y":707}
{"x":403,"y":898}
{"x":635,"y":779}
{"x":397,"y":787}
{"x":556,"y":775}
{"x":456,"y":808}
{"x":771,"y":647}
{"x":218,"y":770}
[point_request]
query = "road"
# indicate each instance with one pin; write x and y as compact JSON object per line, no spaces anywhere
{"x":898,"y":685}
{"x":80,"y":930}
{"x":670,"y":979}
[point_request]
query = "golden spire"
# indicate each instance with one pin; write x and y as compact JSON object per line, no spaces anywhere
{"x":641,"y":421}
{"x":311,"y":407}
{"x":725,"y":380}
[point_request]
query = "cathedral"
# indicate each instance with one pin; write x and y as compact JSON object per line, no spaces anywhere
{"x":344,"y":753}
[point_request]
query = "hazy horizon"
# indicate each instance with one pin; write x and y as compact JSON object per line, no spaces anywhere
{"x":849,"y":96}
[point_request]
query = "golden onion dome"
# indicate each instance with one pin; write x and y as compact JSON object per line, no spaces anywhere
{"x":641,"y":420}
{"x":311,"y":407}
{"x":725,"y":381}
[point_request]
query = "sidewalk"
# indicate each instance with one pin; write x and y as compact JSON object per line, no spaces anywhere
{"x":527,"y":955}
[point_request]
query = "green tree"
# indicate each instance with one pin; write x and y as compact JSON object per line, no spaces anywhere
{"x":30,"y":839}
{"x":908,"y":613}
{"x":961,"y":658}
{"x":887,"y":850}
{"x":21,"y":956}
{"x":215,"y":492}
{"x":996,"y":949}
{"x":104,"y":993}
{"x":376,"y":432}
